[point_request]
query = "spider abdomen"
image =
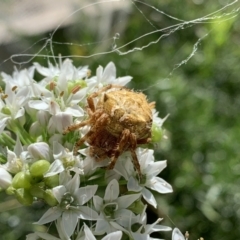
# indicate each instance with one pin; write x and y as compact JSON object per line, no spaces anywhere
{"x":128,"y":110}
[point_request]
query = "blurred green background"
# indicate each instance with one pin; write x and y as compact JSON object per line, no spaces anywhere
{"x":202,"y":98}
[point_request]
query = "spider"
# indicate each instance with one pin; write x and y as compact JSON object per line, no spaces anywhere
{"x":121,"y":120}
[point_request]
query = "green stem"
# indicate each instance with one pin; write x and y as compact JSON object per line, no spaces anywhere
{"x":23,"y":135}
{"x":6,"y":140}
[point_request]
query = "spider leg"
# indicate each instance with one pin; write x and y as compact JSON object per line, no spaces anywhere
{"x":80,"y":142}
{"x":133,"y":146}
{"x":102,"y":120}
{"x":121,"y":146}
{"x":76,"y":126}
{"x":127,"y":141}
{"x":136,"y":162}
{"x":144,"y":141}
{"x":93,"y":118}
{"x":98,"y":154}
{"x":91,"y":105}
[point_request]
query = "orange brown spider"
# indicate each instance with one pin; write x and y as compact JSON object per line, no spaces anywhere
{"x":121,"y":120}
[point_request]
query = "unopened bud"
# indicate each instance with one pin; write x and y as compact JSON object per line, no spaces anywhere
{"x":24,"y":196}
{"x":38,"y":168}
{"x":22,"y":180}
{"x":52,"y":181}
{"x":49,"y":198}
{"x":6,"y":110}
{"x":39,"y":150}
{"x":157,"y":133}
{"x":10,"y":190}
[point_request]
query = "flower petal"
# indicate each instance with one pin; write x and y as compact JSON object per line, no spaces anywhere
{"x":133,"y":185}
{"x":39,"y":150}
{"x":102,"y":226}
{"x":73,"y":185}
{"x":87,"y":213}
{"x":124,"y":217}
{"x":84,"y":194}
{"x":88,"y":233}
{"x":74,"y":111}
{"x":5,"y":178}
{"x":115,"y":235}
{"x":55,"y":168}
{"x":159,"y":185}
{"x":58,"y":192}
{"x":98,"y":202}
{"x":155,"y":168}
{"x":126,"y":201}
{"x":177,"y":235}
{"x":123,"y":80}
{"x":112,"y":191}
{"x":38,"y":104}
{"x":49,"y":216}
{"x":109,"y":73}
{"x":69,"y":221}
{"x":148,"y":196}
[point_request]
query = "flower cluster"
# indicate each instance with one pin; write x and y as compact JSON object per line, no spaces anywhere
{"x":85,"y":201}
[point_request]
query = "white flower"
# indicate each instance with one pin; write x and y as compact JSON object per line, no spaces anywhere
{"x":71,"y":199}
{"x":59,"y":98}
{"x":107,"y":76}
{"x":63,"y":160}
{"x":144,"y":230}
{"x":16,"y":159}
{"x":20,"y":78}
{"x":13,"y":105}
{"x":150,"y":170}
{"x":55,"y":104}
{"x":63,"y":70}
{"x":113,"y":208}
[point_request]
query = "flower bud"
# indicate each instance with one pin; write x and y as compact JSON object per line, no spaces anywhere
{"x":43,"y":117}
{"x":157,"y":133}
{"x":38,"y":168}
{"x":22,"y":180}
{"x":35,"y":129}
{"x":6,"y":110}
{"x":51,"y":181}
{"x":24,"y":196}
{"x":10,"y":190}
{"x":49,"y":198}
{"x":39,"y":150}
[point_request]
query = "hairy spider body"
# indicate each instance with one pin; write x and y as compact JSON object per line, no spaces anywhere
{"x":120,"y":121}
